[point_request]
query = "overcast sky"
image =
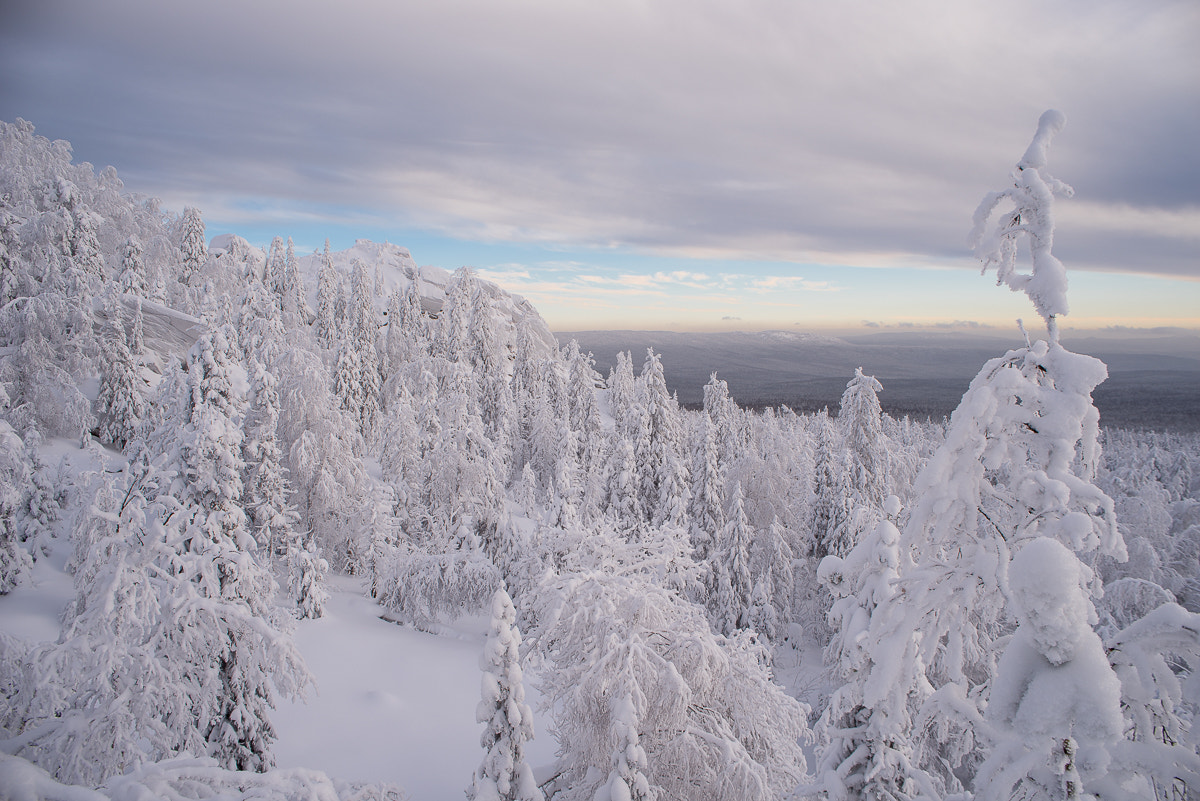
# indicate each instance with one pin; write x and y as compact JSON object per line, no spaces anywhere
{"x":666,"y":163}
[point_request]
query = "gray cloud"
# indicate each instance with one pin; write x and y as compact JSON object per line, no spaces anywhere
{"x":780,"y":130}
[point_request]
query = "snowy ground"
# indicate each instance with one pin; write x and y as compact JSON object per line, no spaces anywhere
{"x":393,"y":704}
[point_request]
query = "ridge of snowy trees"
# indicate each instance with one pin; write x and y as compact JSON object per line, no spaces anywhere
{"x":252,"y":420}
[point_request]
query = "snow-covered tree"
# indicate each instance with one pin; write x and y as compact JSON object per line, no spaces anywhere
{"x":454,"y":322}
{"x":359,"y":385}
{"x":133,"y":267}
{"x":327,"y":292}
{"x":42,"y":508}
{"x":274,"y":272}
{"x":710,"y":721}
{"x":137,"y":329}
{"x":771,"y":566}
{"x":293,"y":302}
{"x":166,"y":648}
{"x":400,"y":457}
{"x":265,"y":490}
{"x":627,"y":780}
{"x":120,"y":406}
{"x":659,"y":449}
{"x":707,"y":504}
{"x":1156,"y":658}
{"x":489,"y":352}
{"x":729,"y":599}
{"x":550,"y":438}
{"x":411,"y":321}
{"x":504,"y":774}
{"x":622,"y":397}
{"x":582,"y":380}
{"x":192,"y":244}
{"x":306,"y":578}
{"x":621,"y":493}
{"x":107,"y":695}
{"x":86,"y":259}
{"x":330,"y":485}
{"x":350,"y":381}
{"x":832,"y":503}
{"x":726,"y":418}
{"x":868,"y":753}
{"x":1018,"y":462}
{"x":463,"y":493}
{"x":14,"y":486}
{"x":861,"y":421}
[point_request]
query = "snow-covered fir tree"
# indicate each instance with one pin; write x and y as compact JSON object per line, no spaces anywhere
{"x":729,"y":598}
{"x":504,"y":774}
{"x":137,"y":329}
{"x":861,"y":420}
{"x":192,"y":244}
{"x":582,"y":381}
{"x":306,"y":577}
{"x":1018,"y":462}
{"x":330,"y":484}
{"x":326,"y":327}
{"x":120,"y":406}
{"x":706,"y":510}
{"x":622,"y":397}
{"x":133,"y":267}
{"x":15,"y":561}
{"x":868,"y":753}
{"x":771,"y":566}
{"x":832,"y":503}
{"x":659,"y":449}
{"x":627,"y":780}
{"x":265,"y":492}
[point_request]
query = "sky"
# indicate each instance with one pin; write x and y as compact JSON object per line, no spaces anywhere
{"x":665,"y":164}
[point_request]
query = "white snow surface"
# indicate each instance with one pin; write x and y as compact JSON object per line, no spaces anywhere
{"x":393,"y":704}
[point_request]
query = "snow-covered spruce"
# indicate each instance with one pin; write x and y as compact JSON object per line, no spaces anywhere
{"x":1018,"y":462}
{"x":504,"y":775}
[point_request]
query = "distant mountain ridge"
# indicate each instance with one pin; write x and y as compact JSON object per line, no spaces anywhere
{"x":1153,"y":381}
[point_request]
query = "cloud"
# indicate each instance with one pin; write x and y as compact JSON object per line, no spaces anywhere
{"x":776,"y":283}
{"x":792,"y":132}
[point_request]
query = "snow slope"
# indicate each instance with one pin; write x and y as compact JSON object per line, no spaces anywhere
{"x":393,"y":704}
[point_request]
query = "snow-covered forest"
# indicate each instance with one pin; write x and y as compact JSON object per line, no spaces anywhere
{"x":207,"y":441}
